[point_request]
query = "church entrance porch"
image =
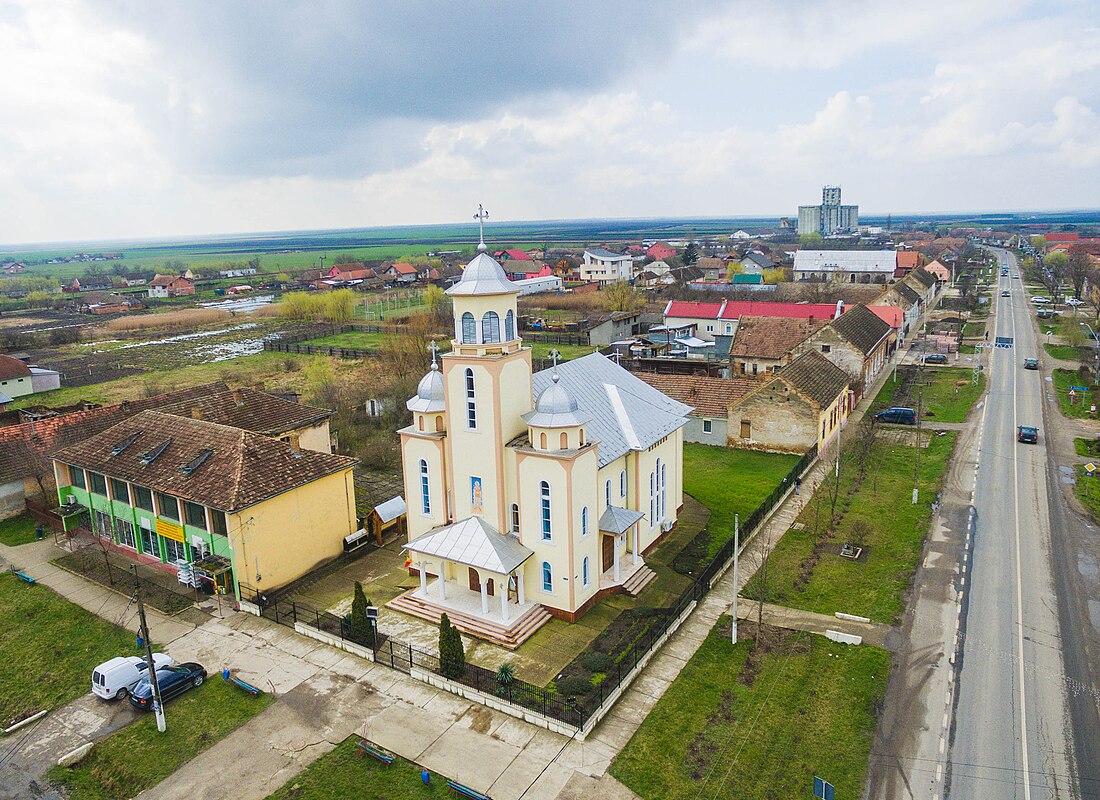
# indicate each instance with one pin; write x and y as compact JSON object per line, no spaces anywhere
{"x":467,"y":611}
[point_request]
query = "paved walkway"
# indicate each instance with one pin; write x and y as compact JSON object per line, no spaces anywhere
{"x":795,"y":619}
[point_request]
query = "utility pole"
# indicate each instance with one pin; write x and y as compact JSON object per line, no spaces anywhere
{"x":150,"y":666}
{"x":916,"y":460}
{"x":736,"y":587}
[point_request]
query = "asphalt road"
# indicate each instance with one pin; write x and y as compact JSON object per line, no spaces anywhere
{"x":1011,"y":733}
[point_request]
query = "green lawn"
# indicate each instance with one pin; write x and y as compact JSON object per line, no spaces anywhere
{"x":18,"y":529}
{"x":356,"y":340}
{"x":48,"y":649}
{"x":1076,"y":406}
{"x":1063,"y":352}
{"x":811,"y":710}
{"x":138,"y":757}
{"x":1087,"y":447}
{"x":1088,"y":490}
{"x":973,"y":330}
{"x":822,"y":581}
{"x":730,"y":481}
{"x":347,"y":773}
{"x":949,"y":392}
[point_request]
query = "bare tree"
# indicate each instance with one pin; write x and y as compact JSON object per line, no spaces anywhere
{"x":866,"y":436}
{"x":1078,"y":270}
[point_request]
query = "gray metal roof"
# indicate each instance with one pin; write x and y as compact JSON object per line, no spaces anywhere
{"x":555,"y":408}
{"x":618,"y":520}
{"x":391,"y":509}
{"x":483,"y":275}
{"x":626,"y":412}
{"x":429,"y":393}
{"x":473,"y":542}
{"x":603,"y":252}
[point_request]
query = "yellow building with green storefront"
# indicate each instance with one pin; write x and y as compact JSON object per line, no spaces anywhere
{"x":224,"y":504}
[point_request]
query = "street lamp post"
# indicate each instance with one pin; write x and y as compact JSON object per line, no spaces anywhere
{"x":1095,"y":347}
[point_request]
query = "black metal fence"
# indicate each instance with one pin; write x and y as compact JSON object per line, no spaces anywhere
{"x":575,"y":710}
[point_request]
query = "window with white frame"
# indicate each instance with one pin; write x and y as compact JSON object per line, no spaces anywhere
{"x":490,"y":327}
{"x":425,"y":494}
{"x":584,"y":571}
{"x":584,"y":521}
{"x":544,"y":494}
{"x":148,"y":539}
{"x":662,"y":476}
{"x":652,"y":499}
{"x":707,"y":426}
{"x":125,"y":532}
{"x":471,"y":401}
{"x":515,"y":517}
{"x":547,"y":577}
{"x":469,"y":329}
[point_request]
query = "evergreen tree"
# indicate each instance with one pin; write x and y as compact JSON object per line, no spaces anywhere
{"x":691,"y":254}
{"x":452,"y":657}
{"x":361,"y":631}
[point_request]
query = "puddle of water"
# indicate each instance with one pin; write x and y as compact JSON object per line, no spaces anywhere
{"x":1087,"y":566}
{"x":244,"y":305}
{"x":186,"y":337}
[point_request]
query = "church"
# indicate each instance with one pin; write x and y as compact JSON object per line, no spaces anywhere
{"x":530,"y":495}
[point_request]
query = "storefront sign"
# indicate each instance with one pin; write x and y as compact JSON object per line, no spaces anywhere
{"x":169,"y":530}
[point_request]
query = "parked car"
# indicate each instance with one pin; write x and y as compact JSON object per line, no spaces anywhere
{"x":1046,"y":313}
{"x":1040,"y":301}
{"x":118,"y":676}
{"x":1031,"y":363}
{"x":1073,"y":301}
{"x":935,"y":358}
{"x":898,"y":414}
{"x":1006,"y":293}
{"x":1016,"y":275}
{"x":1027,"y":434}
{"x":173,"y":681}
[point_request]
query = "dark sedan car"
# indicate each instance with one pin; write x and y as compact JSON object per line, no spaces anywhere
{"x":898,"y":415}
{"x":1031,"y":363}
{"x":1027,"y":434}
{"x":173,"y":681}
{"x":935,"y":358}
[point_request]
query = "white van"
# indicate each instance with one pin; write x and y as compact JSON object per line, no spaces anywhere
{"x":115,"y":678}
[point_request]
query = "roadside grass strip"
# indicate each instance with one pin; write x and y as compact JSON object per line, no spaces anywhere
{"x":948,"y":392}
{"x":49,"y":648}
{"x":746,"y":726}
{"x":138,"y":757}
{"x":805,"y":569}
{"x":346,"y":773}
{"x":1079,"y":404}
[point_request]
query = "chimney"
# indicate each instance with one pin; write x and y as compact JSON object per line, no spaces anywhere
{"x":196,"y":412}
{"x":295,"y":444}
{"x":237,"y":399}
{"x":839,"y":309}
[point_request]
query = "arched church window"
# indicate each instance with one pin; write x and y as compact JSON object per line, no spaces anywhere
{"x":515,"y":518}
{"x":490,"y":328}
{"x":547,"y":577}
{"x":509,"y":326}
{"x":471,"y":402}
{"x":544,"y":492}
{"x":469,"y":329}
{"x":542,"y":440}
{"x":425,"y":496}
{"x":563,"y":440}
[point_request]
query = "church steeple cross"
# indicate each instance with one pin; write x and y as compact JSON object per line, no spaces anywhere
{"x":555,"y":357}
{"x":435,"y":352}
{"x":481,"y":216}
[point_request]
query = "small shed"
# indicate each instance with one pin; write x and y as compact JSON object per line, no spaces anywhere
{"x":386,"y":515}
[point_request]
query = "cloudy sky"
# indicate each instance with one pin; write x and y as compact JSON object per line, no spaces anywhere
{"x":130,"y":119}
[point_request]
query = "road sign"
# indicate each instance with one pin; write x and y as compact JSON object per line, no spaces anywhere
{"x":1004,"y":341}
{"x":1078,"y":388}
{"x":1090,"y":468}
{"x":823,"y":789}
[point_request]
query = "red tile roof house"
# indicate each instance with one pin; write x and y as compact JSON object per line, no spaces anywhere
{"x":721,"y":318}
{"x":402,"y":273}
{"x":660,"y":252}
{"x":171,"y":286}
{"x":1062,"y":237}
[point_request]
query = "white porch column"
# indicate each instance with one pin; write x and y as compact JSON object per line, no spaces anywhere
{"x":484,"y":596}
{"x":504,"y":601}
{"x":519,"y":586}
{"x":442,"y":582}
{"x":637,"y":548}
{"x":420,"y":565}
{"x":618,"y":543}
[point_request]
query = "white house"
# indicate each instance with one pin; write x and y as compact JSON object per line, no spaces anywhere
{"x":845,"y":266}
{"x":605,"y":266}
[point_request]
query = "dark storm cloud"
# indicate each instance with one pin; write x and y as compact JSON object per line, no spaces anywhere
{"x":274,"y":88}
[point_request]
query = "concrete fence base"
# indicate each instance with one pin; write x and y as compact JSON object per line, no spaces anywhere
{"x":334,"y":641}
{"x":248,"y":608}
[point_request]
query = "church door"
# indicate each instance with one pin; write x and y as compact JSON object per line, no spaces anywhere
{"x":475,"y":583}
{"x":608,"y":553}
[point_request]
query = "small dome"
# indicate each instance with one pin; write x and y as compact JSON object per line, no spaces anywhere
{"x":555,"y":408}
{"x":429,"y":392}
{"x":483,"y":276}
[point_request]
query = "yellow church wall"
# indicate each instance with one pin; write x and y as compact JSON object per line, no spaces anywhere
{"x":669,"y":451}
{"x":585,"y":494}
{"x":285,"y":537}
{"x":478,"y":305}
{"x":413,"y":449}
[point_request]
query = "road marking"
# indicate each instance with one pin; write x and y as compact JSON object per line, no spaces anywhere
{"x":1019,"y":585}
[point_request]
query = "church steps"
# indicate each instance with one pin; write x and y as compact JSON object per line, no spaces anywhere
{"x":511,"y":637}
{"x":639,"y":580}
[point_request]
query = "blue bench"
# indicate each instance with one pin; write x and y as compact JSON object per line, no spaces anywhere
{"x":248,"y":687}
{"x":466,"y":791}
{"x":376,"y":752}
{"x":22,"y":575}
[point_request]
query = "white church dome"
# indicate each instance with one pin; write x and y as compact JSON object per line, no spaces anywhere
{"x":555,"y":408}
{"x":483,"y":276}
{"x":429,"y":392}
